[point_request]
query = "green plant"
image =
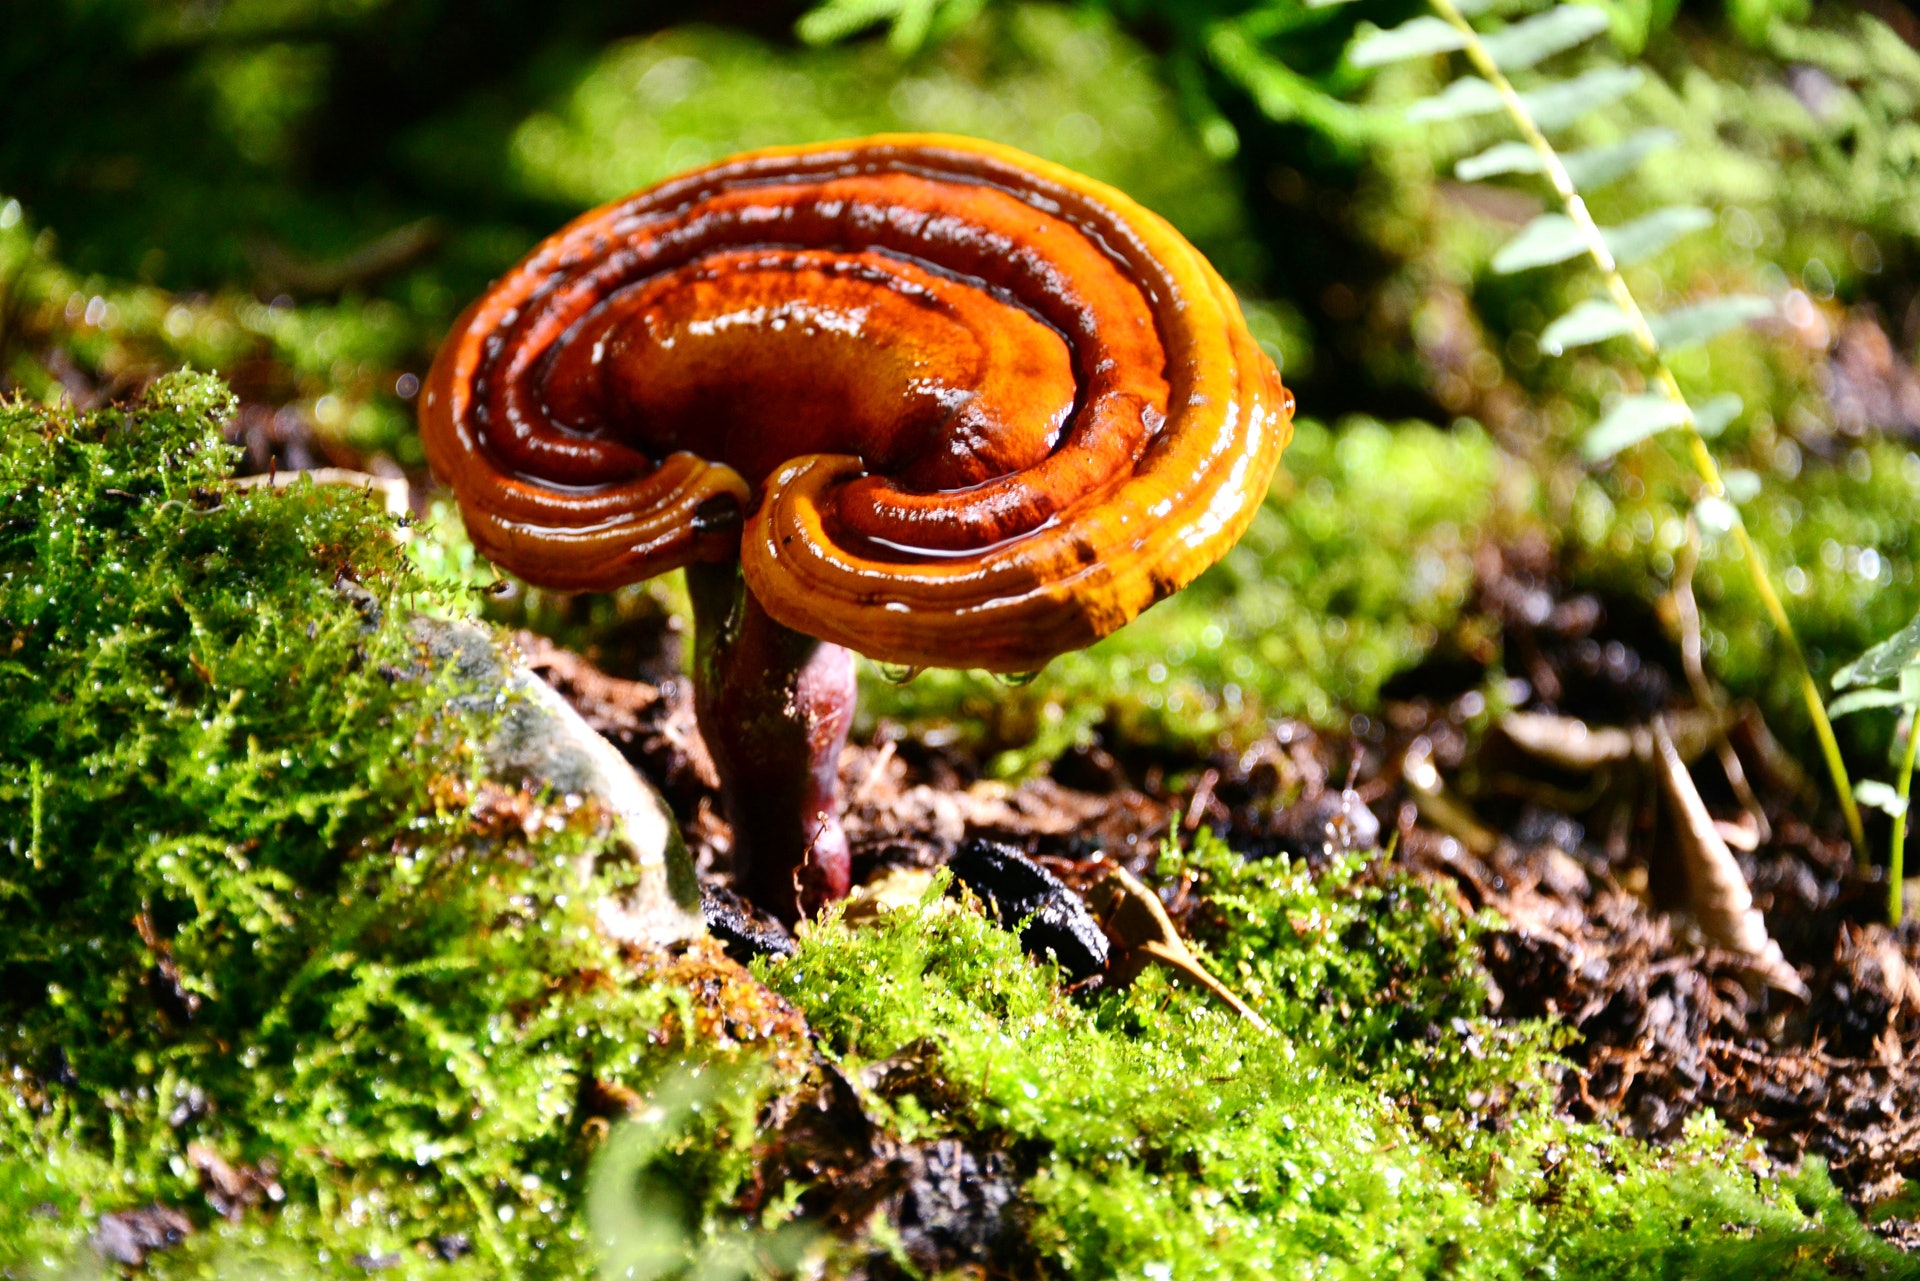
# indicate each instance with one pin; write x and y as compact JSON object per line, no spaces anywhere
{"x":1358,"y":563}
{"x":1895,"y":660}
{"x":1556,"y":237}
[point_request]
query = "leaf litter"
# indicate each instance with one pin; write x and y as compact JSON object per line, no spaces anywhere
{"x":1708,"y":955}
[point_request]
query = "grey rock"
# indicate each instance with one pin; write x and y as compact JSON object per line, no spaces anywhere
{"x":541,"y":741}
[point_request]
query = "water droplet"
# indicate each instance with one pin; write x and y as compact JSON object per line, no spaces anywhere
{"x":897,"y":673}
{"x":1017,"y":679}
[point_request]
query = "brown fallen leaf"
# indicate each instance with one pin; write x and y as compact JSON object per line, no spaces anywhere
{"x":1143,"y":934}
{"x":1717,"y":896}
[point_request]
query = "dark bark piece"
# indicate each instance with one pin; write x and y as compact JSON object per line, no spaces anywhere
{"x":952,"y":1206}
{"x":1015,"y":889}
{"x":743,"y":932}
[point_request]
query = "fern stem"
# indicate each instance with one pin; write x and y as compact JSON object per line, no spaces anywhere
{"x":1897,"y":850}
{"x":1702,"y":457}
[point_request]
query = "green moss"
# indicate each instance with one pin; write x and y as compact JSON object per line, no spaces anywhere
{"x":258,"y":902}
{"x":1385,"y":1127}
{"x":1359,"y":562}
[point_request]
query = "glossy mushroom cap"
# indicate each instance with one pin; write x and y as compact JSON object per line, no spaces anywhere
{"x":951,"y":405}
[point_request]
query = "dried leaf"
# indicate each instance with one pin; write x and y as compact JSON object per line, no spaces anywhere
{"x":1567,"y":742}
{"x":1436,"y":806}
{"x":1718,"y":898}
{"x":1135,"y":919}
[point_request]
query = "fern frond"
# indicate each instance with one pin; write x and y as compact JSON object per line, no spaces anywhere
{"x":1570,"y":232}
{"x":1533,"y":40}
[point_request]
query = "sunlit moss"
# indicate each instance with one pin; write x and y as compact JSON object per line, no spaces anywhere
{"x":1385,"y":1127}
{"x":336,"y":366}
{"x":260,"y":903}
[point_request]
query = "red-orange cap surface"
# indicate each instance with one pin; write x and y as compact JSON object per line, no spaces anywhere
{"x":976,"y":409}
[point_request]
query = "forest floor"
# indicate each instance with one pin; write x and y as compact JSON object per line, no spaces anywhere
{"x":1577,"y":849}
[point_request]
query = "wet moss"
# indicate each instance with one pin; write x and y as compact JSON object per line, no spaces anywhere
{"x":1385,"y":1127}
{"x":274,"y":945}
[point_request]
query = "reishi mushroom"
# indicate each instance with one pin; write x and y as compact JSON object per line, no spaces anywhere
{"x":921,"y":397}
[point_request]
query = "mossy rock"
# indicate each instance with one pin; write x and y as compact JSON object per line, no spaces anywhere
{"x":274,"y":904}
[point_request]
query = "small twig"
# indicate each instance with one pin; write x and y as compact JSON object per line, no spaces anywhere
{"x":1897,"y":852}
{"x":1704,"y":692}
{"x":1202,"y":797}
{"x":881,"y":759}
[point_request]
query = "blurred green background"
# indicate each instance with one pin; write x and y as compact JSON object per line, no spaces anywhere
{"x":299,"y":194}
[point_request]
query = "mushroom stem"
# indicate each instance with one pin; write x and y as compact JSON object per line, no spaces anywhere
{"x":774,"y":707}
